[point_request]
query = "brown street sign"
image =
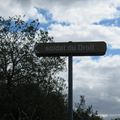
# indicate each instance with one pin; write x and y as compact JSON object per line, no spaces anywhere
{"x":71,"y":48}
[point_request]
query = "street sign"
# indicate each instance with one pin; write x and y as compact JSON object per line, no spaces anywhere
{"x":70,"y":48}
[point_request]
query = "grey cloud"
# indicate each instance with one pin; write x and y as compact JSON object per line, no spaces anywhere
{"x":60,"y":3}
{"x":102,"y":105}
{"x":24,"y":4}
{"x":104,"y":98}
{"x":66,"y":3}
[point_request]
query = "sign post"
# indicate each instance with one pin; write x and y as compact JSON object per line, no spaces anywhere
{"x":70,"y":88}
{"x":70,"y":49}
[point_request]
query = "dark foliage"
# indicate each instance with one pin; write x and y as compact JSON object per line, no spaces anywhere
{"x":116,"y":119}
{"x":84,"y":112}
{"x":29,"y":88}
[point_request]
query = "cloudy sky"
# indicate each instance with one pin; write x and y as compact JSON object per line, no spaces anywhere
{"x":97,"y":78}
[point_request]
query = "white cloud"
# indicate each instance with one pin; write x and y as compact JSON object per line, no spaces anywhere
{"x":33,"y":13}
{"x":87,"y":33}
{"x":77,"y":11}
{"x":23,"y":7}
{"x":97,"y":72}
{"x":84,"y":13}
{"x":8,"y":9}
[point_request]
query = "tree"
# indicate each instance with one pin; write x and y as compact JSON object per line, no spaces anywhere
{"x":84,"y":112}
{"x":26,"y":79}
{"x":18,"y":62}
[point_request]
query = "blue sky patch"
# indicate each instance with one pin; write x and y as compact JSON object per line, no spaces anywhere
{"x":118,"y":8}
{"x":49,"y":18}
{"x":109,"y":22}
{"x":109,"y":52}
{"x":114,"y":22}
{"x":113,"y":52}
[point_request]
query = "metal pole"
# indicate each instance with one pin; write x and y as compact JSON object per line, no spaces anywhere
{"x":70,"y":89}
